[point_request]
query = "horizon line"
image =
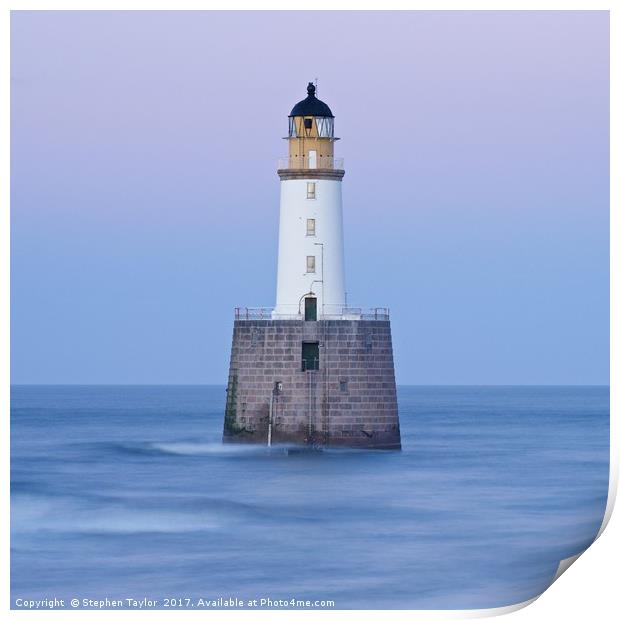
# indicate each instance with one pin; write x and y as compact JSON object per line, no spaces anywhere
{"x":224,"y":385}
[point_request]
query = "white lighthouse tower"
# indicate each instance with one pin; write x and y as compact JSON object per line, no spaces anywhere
{"x":311,"y":247}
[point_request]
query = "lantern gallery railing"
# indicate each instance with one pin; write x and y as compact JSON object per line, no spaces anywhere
{"x":311,"y":162}
{"x":335,"y":314}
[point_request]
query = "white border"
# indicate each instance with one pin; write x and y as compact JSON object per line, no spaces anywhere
{"x":589,"y":587}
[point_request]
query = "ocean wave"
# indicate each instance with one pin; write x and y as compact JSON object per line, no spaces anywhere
{"x":187,"y":448}
{"x":192,"y":448}
{"x":32,"y":514}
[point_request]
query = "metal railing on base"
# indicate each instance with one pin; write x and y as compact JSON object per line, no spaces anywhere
{"x":340,"y":313}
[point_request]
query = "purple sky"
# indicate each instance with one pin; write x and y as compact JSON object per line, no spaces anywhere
{"x":145,"y":194}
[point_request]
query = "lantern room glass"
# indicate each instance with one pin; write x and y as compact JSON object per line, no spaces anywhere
{"x":298,"y":126}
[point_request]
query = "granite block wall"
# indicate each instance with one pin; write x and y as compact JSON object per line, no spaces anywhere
{"x":349,"y":401}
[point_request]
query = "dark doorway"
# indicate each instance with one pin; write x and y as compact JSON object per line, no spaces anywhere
{"x":309,"y":355}
{"x":310,"y":308}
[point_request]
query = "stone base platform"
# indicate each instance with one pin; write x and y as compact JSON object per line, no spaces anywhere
{"x":346,"y":397}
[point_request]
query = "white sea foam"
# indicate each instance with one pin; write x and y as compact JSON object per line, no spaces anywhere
{"x":187,"y":448}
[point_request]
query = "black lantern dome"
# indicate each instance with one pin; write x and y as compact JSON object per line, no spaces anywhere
{"x":311,"y":118}
{"x":311,"y":106}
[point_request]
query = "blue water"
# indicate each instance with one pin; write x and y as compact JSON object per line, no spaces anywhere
{"x":128,"y":492}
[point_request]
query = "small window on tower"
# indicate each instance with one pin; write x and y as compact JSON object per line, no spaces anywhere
{"x":310,"y":264}
{"x":310,"y":228}
{"x":311,"y":190}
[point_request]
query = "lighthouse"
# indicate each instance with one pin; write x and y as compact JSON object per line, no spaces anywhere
{"x":311,"y":245}
{"x":312,"y":370}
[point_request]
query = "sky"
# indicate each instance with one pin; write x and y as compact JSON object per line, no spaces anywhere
{"x":144,"y":193}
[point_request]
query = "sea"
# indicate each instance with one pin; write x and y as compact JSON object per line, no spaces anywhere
{"x":126,"y":493}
